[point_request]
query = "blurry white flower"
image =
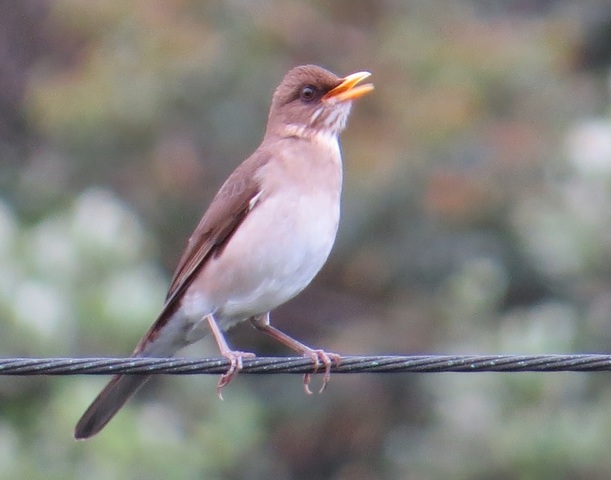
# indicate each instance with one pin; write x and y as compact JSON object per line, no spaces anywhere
{"x":8,"y":229}
{"x":589,"y":147}
{"x":42,"y":307}
{"x":102,"y":224}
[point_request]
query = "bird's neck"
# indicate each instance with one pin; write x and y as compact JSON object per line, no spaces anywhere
{"x":323,"y":137}
{"x":309,"y":159}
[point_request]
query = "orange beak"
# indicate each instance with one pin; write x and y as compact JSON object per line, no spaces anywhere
{"x":349,"y":89}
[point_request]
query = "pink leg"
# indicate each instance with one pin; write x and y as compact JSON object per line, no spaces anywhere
{"x":261,"y":322}
{"x":235,"y":357}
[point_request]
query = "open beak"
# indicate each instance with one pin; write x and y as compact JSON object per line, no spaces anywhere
{"x":349,"y":89}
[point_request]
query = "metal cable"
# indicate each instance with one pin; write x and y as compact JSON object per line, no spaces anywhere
{"x":269,"y":365}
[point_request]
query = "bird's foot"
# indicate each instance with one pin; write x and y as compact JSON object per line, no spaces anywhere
{"x":235,"y":365}
{"x":320,"y":357}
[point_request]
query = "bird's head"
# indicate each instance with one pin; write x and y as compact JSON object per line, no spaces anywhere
{"x":312,"y":100}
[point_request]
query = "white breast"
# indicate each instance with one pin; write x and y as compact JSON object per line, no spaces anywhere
{"x":284,"y":241}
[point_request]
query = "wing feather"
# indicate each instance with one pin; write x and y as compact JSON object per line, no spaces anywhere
{"x":231,"y":205}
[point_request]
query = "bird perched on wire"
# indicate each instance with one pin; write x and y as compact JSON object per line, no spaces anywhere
{"x":266,"y":234}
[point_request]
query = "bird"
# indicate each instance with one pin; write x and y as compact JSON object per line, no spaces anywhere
{"x":264,"y":237}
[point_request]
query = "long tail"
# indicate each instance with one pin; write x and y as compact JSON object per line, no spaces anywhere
{"x":107,"y":404}
{"x":164,"y":338}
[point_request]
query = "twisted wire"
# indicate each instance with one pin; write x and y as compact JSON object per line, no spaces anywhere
{"x":299,"y":365}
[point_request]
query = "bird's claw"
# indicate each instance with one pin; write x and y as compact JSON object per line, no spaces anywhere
{"x":320,"y":357}
{"x":235,"y":365}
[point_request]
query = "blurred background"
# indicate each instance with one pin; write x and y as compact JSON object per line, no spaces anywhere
{"x":476,"y":219}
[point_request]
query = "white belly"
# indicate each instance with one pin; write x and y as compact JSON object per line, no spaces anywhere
{"x":252,"y":277}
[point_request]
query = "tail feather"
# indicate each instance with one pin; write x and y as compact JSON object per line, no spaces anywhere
{"x":169,"y":333}
{"x":107,"y":404}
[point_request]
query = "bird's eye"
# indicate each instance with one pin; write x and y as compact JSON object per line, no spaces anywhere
{"x":307,"y":93}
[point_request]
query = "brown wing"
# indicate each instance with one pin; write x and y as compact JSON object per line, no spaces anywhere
{"x":226,"y":212}
{"x":228,"y":209}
